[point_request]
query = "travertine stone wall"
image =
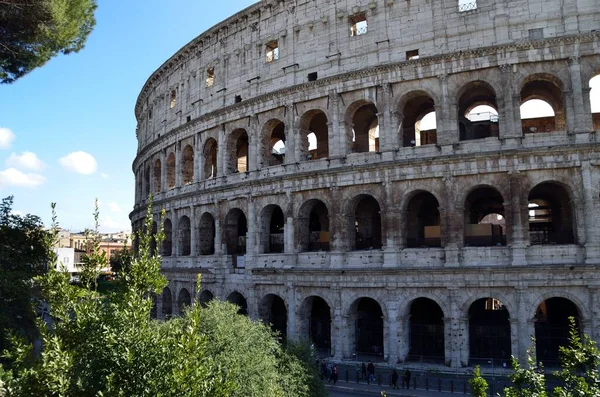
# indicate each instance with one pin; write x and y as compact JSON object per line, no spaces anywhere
{"x":501,"y":54}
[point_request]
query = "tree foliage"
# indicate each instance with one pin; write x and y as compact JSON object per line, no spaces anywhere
{"x":34,"y":31}
{"x":527,"y":381}
{"x":478,"y":384}
{"x":107,"y":345}
{"x":24,"y":253}
{"x":120,"y":260}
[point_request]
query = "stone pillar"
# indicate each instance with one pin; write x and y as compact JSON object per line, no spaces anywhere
{"x":510,"y":131}
{"x":218,"y":238}
{"x":291,"y":325}
{"x":198,"y":159}
{"x":403,"y":337}
{"x":336,"y":130}
{"x":222,"y":155}
{"x":452,"y":227}
{"x":446,"y":131}
{"x":178,"y":164}
{"x":159,"y":307}
{"x":289,"y":235}
{"x":463,"y":340}
{"x":174,"y":301}
{"x":251,"y":236}
{"x":518,"y":221}
{"x":175,"y":233}
{"x":163,"y":171}
{"x":193,"y":232}
{"x":291,"y":134}
{"x":594,"y":330}
{"x":253,"y":137}
{"x":592,"y":218}
{"x":388,"y":131}
{"x":514,"y":338}
{"x":526,"y":326}
{"x":338,"y":335}
{"x":391,"y":334}
{"x":582,"y":115}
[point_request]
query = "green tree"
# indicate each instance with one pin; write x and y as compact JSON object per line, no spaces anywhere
{"x":34,"y":31}
{"x":107,"y":345}
{"x":120,"y":260}
{"x":24,"y":249}
{"x":478,"y":384}
{"x":579,"y":362}
{"x":528,"y":382}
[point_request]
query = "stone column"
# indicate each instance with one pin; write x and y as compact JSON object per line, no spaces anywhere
{"x":178,"y":164}
{"x":403,"y":337}
{"x":198,"y":159}
{"x":526,"y":326}
{"x":291,"y":325}
{"x":582,"y":115}
{"x":463,"y":341}
{"x":452,"y":227}
{"x":289,"y":235}
{"x":163,"y":171}
{"x":253,"y":137}
{"x":518,"y":221}
{"x":222,"y":155}
{"x":175,"y":233}
{"x":251,"y":236}
{"x":510,"y":131}
{"x":218,"y":238}
{"x":391,"y":335}
{"x":592,"y":218}
{"x":388,"y":135}
{"x":291,"y":134}
{"x":174,"y":301}
{"x":446,"y":131}
{"x":594,"y":330}
{"x":336,"y":137}
{"x":338,"y":334}
{"x":159,"y":307}
{"x":193,"y":232}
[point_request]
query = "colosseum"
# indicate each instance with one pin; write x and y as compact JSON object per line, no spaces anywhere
{"x":394,"y":180}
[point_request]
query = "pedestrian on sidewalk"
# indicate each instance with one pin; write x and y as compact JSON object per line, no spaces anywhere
{"x":407,"y":378}
{"x":371,"y":371}
{"x":334,"y":374}
{"x":363,"y":374}
{"x":394,"y":379}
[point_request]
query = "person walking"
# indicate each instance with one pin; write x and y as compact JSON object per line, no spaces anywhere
{"x":363,"y":369}
{"x":394,"y":379}
{"x":407,"y":378}
{"x":334,"y":374}
{"x":371,"y":371}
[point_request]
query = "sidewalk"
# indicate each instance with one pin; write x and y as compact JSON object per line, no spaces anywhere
{"x":363,"y":388}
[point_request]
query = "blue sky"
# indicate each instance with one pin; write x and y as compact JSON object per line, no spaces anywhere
{"x":73,"y":120}
{"x":85,"y":103}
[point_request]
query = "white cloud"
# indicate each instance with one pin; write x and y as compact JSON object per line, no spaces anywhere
{"x":26,"y":160}
{"x":14,"y":177}
{"x":109,"y":223}
{"x":6,"y":138}
{"x":114,"y":207}
{"x":18,"y":213}
{"x":79,"y":162}
{"x":104,"y":175}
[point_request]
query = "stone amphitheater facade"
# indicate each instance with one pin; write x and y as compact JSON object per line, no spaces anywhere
{"x":285,"y":145}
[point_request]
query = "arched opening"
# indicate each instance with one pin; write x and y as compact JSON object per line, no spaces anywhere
{"x":183,"y":300}
{"x":167,"y":244}
{"x":167,"y":303}
{"x":550,"y":216}
{"x":316,"y":323}
{"x":187,"y":166}
{"x":542,"y":104}
{"x":184,"y":236}
{"x":552,"y":328}
{"x":365,"y":129}
{"x":272,"y":229}
{"x":419,"y":121}
{"x":426,"y":331}
{"x":157,"y":176}
{"x":595,"y":101}
{"x":315,"y":135}
{"x":238,"y":299}
{"x":485,"y":224}
{"x":238,"y":151}
{"x":171,"y":170}
{"x":210,"y":159}
{"x":313,"y":226}
{"x":367,"y":223}
{"x":367,"y":318}
{"x":206,"y":234}
{"x":273,"y":311}
{"x":205,"y":297}
{"x":489,"y":332}
{"x":153,"y":239}
{"x":235,"y":231}
{"x":476,"y":123}
{"x":147,"y":182}
{"x":423,"y":221}
{"x":274,"y":143}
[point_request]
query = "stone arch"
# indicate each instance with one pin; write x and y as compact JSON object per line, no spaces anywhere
{"x":314,"y":122}
{"x":547,"y":88}
{"x":315,"y":323}
{"x":187,"y":165}
{"x":184,"y":300}
{"x":209,"y":154}
{"x":185,"y":234}
{"x":363,"y":126}
{"x":551,"y":217}
{"x":171,"y":180}
{"x":205,"y":297}
{"x":238,"y":150}
{"x":412,"y":107}
{"x":366,"y":328}
{"x":273,"y":134}
{"x":484,"y":217}
{"x":423,"y":220}
{"x":234,"y":232}
{"x":167,"y":244}
{"x":365,"y":229}
{"x":314,"y":230}
{"x":473,"y":94}
{"x":489,"y":331}
{"x":426,"y":331}
{"x":167,"y":303}
{"x":239,"y":300}
{"x":273,"y":310}
{"x":206,"y":234}
{"x":272,"y":229}
{"x":157,"y":177}
{"x":147,"y":179}
{"x":551,"y":321}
